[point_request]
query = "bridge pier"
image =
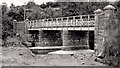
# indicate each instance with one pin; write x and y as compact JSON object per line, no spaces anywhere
{"x":65,"y":37}
{"x":40,"y":42}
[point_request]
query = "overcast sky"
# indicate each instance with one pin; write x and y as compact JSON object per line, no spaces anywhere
{"x":21,"y":2}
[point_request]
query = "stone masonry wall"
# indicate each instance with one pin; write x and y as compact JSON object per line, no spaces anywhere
{"x":111,"y":37}
{"x":19,"y":28}
{"x":100,"y":33}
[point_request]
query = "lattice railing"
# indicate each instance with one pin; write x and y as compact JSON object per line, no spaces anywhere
{"x":73,"y":21}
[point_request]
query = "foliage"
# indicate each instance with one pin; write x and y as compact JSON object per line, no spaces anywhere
{"x":48,"y":10}
{"x":6,"y":23}
{"x":7,"y":27}
{"x":16,"y":14}
{"x":53,"y":9}
{"x":4,"y":8}
{"x":30,"y":4}
{"x":43,"y":6}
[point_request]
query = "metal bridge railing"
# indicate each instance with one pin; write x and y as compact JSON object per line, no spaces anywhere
{"x":82,"y":20}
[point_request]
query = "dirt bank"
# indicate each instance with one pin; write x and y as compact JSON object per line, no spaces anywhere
{"x":17,"y":56}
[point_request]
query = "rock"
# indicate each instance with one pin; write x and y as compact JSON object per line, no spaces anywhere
{"x":83,"y":63}
{"x":95,"y":59}
{"x":100,"y":55}
{"x":20,"y":53}
{"x":92,"y":64}
{"x":17,"y":34}
{"x":100,"y":60}
{"x":81,"y":59}
{"x":72,"y":54}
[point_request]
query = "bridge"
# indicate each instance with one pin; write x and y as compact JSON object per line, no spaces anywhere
{"x":70,"y":33}
{"x":75,"y":32}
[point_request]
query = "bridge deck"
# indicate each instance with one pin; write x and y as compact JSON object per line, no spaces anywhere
{"x":67,"y":28}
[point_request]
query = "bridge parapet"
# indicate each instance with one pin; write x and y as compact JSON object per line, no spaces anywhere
{"x":72,"y":21}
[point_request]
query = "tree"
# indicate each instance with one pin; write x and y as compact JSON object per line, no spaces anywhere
{"x":4,"y":8}
{"x":34,"y":13}
{"x":49,"y":4}
{"x":12,"y":6}
{"x":43,"y":6}
{"x":7,"y":27}
{"x":31,"y":4}
{"x":17,"y":13}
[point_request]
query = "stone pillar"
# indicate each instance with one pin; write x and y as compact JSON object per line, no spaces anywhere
{"x":65,"y":38}
{"x":109,"y":23}
{"x":111,"y":45}
{"x":41,"y":41}
{"x":26,"y":26}
{"x":41,"y":37}
{"x":96,"y":42}
{"x":25,"y":29}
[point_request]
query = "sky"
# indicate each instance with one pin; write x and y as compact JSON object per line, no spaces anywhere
{"x":21,"y":2}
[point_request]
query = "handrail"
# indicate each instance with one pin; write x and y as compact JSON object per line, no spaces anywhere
{"x":66,"y":17}
{"x":80,"y":20}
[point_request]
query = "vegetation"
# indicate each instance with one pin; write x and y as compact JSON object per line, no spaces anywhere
{"x":53,"y":9}
{"x":48,"y":10}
